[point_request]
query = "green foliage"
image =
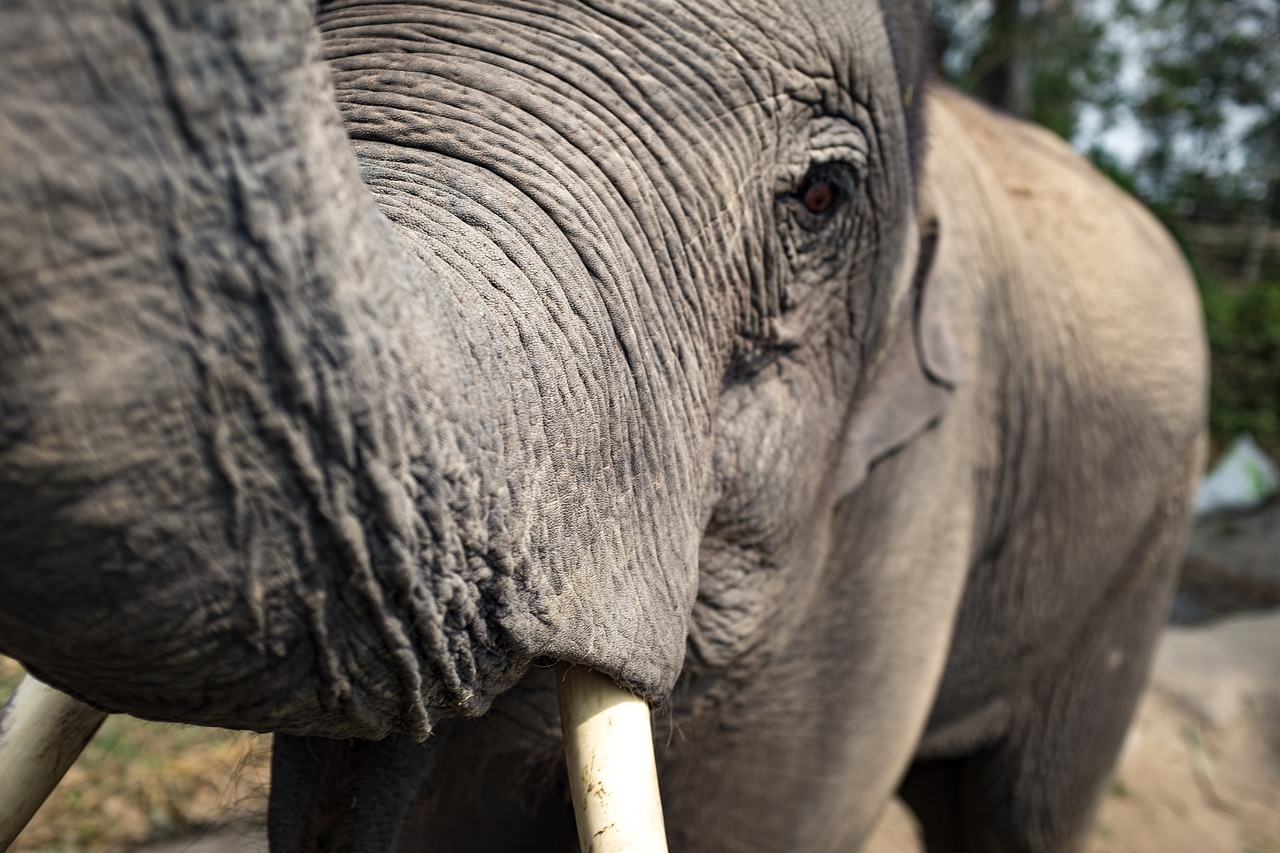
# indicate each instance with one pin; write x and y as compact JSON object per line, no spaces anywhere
{"x":1244,"y":342}
{"x":1038,"y":59}
{"x":1211,"y":94}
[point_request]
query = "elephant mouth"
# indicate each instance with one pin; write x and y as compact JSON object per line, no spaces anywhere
{"x":343,"y":795}
{"x":330,"y":795}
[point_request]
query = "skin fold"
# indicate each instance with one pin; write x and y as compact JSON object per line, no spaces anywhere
{"x":358,"y":363}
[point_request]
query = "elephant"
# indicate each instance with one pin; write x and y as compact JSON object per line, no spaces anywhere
{"x":361,"y":363}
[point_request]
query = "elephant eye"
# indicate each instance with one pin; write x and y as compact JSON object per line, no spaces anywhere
{"x":819,"y":196}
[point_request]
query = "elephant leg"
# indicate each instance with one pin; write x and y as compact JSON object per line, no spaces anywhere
{"x":934,"y":791}
{"x":503,"y":805}
{"x":313,"y":781}
{"x":1034,"y":785}
{"x":1036,"y":789}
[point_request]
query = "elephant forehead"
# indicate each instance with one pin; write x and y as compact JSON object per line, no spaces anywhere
{"x":732,"y":56}
{"x":667,"y":121}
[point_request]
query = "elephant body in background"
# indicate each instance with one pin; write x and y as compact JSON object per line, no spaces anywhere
{"x":352,"y":375}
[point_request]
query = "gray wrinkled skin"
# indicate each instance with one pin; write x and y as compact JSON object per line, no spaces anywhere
{"x":357,"y":363}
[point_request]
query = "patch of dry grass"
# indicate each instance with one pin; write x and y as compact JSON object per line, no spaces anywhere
{"x":139,"y":781}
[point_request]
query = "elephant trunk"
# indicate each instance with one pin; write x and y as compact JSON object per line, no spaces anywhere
{"x":272,"y":458}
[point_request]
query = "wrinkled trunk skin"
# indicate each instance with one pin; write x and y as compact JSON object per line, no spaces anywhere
{"x":277,"y":454}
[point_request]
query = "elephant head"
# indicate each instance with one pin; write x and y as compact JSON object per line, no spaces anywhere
{"x":353,"y":361}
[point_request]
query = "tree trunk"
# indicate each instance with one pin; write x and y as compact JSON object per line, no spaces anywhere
{"x":1005,"y":75}
{"x":1259,"y":236}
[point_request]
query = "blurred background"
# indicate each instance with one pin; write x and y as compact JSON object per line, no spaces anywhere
{"x":1178,"y":101}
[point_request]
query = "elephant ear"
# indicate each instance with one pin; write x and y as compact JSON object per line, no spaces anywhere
{"x":915,"y":380}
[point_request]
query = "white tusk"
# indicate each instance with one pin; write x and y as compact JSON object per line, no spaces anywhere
{"x":609,"y":747}
{"x":42,"y":731}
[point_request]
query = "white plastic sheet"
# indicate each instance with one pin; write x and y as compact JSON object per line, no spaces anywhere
{"x":1243,"y":479}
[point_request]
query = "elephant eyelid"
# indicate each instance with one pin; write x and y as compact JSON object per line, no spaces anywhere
{"x":851,"y":157}
{"x":827,"y":175}
{"x":836,"y":140}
